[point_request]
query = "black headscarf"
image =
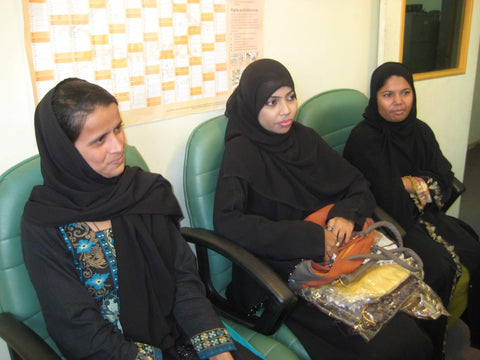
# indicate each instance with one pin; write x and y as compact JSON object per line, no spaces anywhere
{"x":385,"y":151}
{"x":292,"y":168}
{"x":141,"y":207}
{"x":258,"y":82}
{"x":401,"y":134}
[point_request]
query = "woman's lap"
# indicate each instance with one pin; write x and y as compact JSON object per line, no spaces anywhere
{"x":400,"y":338}
{"x":465,"y":245}
{"x":438,"y":265}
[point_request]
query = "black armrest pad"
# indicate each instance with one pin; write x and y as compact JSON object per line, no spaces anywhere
{"x":23,"y":340}
{"x":281,"y":297}
{"x":458,"y":187}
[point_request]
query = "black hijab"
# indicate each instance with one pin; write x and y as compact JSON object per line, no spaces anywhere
{"x":385,"y":151}
{"x":141,"y":207}
{"x":402,"y":135}
{"x":293,"y":168}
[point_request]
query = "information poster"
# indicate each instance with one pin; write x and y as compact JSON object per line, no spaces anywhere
{"x":160,"y":58}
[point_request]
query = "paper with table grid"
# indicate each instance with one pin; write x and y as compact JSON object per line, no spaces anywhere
{"x":160,"y":58}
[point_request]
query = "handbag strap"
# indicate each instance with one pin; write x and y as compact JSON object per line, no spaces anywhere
{"x":381,"y":253}
{"x":392,"y":255}
{"x":387,"y":225}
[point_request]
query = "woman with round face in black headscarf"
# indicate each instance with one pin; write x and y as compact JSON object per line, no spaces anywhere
{"x":101,"y":243}
{"x":411,"y":180}
{"x":274,"y":173}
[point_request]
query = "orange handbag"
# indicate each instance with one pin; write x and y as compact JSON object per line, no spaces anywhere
{"x":359,"y":243}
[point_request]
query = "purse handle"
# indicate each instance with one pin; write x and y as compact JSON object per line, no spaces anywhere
{"x":386,"y":254}
{"x":387,"y":225}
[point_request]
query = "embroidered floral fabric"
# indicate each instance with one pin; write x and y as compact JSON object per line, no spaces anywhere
{"x":435,"y":195}
{"x":95,"y":259}
{"x":207,"y":343}
{"x":427,"y":191}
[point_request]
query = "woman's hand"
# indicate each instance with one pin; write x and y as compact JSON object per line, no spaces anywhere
{"x":222,"y":356}
{"x":330,"y":245}
{"x":407,"y":184}
{"x":417,"y":186}
{"x":341,"y":228}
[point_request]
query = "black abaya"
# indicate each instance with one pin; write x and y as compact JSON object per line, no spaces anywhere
{"x":387,"y":151}
{"x":268,"y":183}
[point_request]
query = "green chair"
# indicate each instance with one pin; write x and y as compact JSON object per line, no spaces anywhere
{"x":333,"y":114}
{"x":203,"y":156}
{"x":21,"y":321}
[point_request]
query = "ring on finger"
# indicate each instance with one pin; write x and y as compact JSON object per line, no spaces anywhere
{"x":329,"y":228}
{"x":333,"y":257}
{"x":337,"y":244}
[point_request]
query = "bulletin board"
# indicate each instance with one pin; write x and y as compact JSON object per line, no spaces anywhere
{"x":159,"y":58}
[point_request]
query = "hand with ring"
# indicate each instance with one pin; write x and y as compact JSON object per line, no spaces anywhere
{"x":341,"y":228}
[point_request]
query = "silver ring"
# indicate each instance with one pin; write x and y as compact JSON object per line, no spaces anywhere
{"x":329,"y":228}
{"x":333,"y":257}
{"x":337,"y":244}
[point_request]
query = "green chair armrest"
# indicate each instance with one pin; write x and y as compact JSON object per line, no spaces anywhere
{"x":23,"y":340}
{"x":281,"y":298}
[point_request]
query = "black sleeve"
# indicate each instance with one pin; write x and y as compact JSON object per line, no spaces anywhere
{"x":192,"y":310}
{"x":386,"y":186}
{"x":438,"y":170}
{"x":357,"y":202}
{"x":71,"y":314}
{"x":278,"y":240}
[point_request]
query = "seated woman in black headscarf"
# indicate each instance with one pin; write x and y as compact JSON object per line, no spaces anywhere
{"x":411,"y":180}
{"x":101,"y":243}
{"x":274,"y":173}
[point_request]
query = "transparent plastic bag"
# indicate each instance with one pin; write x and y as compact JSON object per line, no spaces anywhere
{"x":370,"y":296}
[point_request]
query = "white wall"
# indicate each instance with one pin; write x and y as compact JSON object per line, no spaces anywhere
{"x":474,"y":135}
{"x":325,"y":44}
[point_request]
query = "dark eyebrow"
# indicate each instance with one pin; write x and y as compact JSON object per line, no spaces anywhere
{"x":104,"y":134}
{"x":278,"y":97}
{"x":407,"y":88}
{"x":96,"y":139}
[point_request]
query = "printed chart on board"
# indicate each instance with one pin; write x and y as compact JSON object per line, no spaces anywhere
{"x":160,"y":58}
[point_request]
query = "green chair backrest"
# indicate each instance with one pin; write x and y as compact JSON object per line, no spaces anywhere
{"x":203,"y":157}
{"x":17,"y":295}
{"x":333,"y":114}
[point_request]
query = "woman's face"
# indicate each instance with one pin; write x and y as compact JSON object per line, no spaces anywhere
{"x":395,"y":99}
{"x":102,"y":141}
{"x":279,"y":111}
